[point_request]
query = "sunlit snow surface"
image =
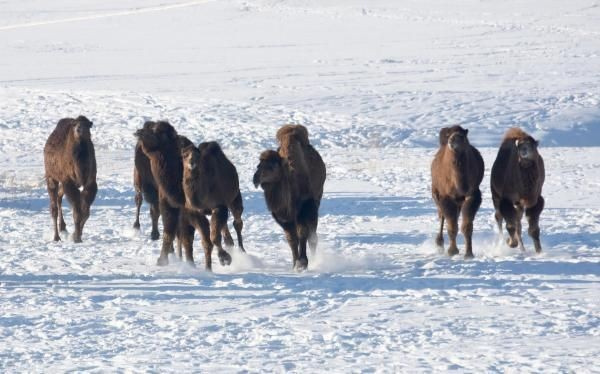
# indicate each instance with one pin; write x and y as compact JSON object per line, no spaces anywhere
{"x":373,"y":81}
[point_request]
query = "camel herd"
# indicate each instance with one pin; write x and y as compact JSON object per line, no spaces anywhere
{"x":184,"y":184}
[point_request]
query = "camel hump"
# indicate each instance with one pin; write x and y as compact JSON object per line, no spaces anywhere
{"x":84,"y":120}
{"x":184,"y":142}
{"x":298,"y":132}
{"x":515,"y":133}
{"x":207,"y":148}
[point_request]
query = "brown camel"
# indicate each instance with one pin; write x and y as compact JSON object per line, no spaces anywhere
{"x":517,"y":179}
{"x":146,"y":187}
{"x":456,"y":173}
{"x":159,"y":142}
{"x":292,"y":180}
{"x":210,"y":183}
{"x":70,"y":163}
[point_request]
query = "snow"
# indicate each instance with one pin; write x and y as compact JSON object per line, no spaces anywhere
{"x":373,"y":82}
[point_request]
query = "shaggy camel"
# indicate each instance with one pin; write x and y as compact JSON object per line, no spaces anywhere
{"x":456,"y":173}
{"x":292,"y":180}
{"x":159,"y":142}
{"x":210,"y":183}
{"x":70,"y":164}
{"x":145,"y":188}
{"x":517,"y":179}
{"x":145,"y":185}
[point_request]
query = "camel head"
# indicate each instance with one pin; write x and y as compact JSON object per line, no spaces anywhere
{"x":270,"y":169}
{"x":81,"y":128}
{"x":526,"y":148}
{"x":154,"y":135}
{"x":454,"y":137}
{"x":191,"y":157}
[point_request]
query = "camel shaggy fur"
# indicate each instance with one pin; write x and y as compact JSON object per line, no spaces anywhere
{"x":145,"y":186}
{"x":292,"y":180}
{"x":456,"y":173}
{"x":70,"y":163}
{"x":211,"y":184}
{"x":159,"y":142}
{"x":517,"y":178}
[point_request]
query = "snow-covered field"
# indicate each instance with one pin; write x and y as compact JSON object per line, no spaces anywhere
{"x":373,"y":81}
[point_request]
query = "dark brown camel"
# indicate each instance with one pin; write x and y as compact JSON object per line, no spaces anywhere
{"x":159,"y":142}
{"x":210,"y":183}
{"x":517,"y":179}
{"x":292,"y":180}
{"x":146,"y":187}
{"x":70,"y":163}
{"x":456,"y":173}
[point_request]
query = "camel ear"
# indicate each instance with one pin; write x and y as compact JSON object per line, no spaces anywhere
{"x":466,"y":132}
{"x":536,"y":142}
{"x":444,"y":134}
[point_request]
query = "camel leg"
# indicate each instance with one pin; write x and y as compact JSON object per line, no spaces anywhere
{"x":533,"y":219}
{"x":52,"y":186}
{"x":201,"y":224}
{"x":497,"y":213}
{"x":74,"y":197}
{"x":187,"y":239}
{"x":292,"y":238}
{"x":185,"y":235}
{"x":170,"y":218}
{"x":307,"y":216}
{"x":469,"y":210}
{"x":237,"y":208}
{"x":217,"y":221}
{"x":450,"y":211}
{"x":138,"y":198}
{"x":439,"y":239}
{"x":154,"y":215}
{"x":182,"y":226}
{"x":87,"y":198}
{"x":62,"y":226}
{"x":519,"y":229}
{"x":509,"y":213}
{"x":227,"y":238}
{"x":313,"y":238}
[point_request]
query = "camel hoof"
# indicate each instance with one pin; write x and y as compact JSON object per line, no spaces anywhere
{"x":162,"y":261}
{"x":191,"y":263}
{"x":136,"y":225}
{"x":154,"y":235}
{"x":452,"y":251}
{"x":439,"y":241}
{"x":77,"y":240}
{"x":469,"y":255}
{"x":301,"y":264}
{"x":224,"y":258}
{"x":56,"y":238}
{"x":512,"y":243}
